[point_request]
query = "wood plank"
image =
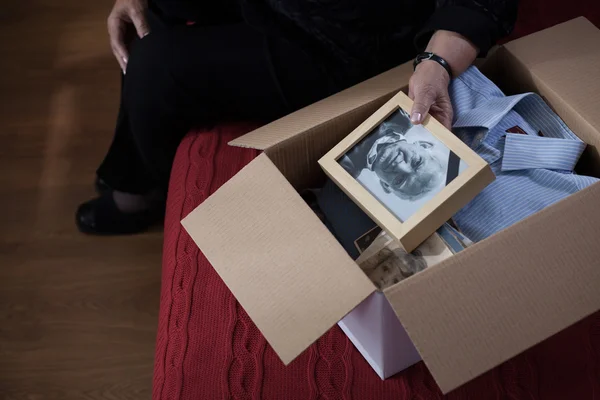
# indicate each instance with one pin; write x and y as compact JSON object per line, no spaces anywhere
{"x":78,"y":314}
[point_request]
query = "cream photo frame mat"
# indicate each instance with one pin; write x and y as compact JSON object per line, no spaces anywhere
{"x":425,"y":221}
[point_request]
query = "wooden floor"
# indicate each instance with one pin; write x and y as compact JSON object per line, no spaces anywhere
{"x":77,"y":314}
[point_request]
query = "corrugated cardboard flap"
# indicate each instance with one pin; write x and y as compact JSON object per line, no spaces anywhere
{"x":505,"y":294}
{"x":281,"y":263}
{"x":327,"y":110}
{"x":564,"y":65}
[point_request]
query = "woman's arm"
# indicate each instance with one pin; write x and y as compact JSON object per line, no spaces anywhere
{"x":456,"y":49}
{"x":458,"y":31}
{"x":482,"y":22}
{"x":428,"y":86}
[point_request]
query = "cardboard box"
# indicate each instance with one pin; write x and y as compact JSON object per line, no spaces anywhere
{"x":463,"y":316}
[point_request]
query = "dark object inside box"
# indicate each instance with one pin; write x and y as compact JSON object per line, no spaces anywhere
{"x":353,"y":228}
{"x":345,"y":220}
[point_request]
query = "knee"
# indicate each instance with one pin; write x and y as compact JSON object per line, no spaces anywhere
{"x":148,"y":69}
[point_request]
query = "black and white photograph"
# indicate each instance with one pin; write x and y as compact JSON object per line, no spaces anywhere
{"x":401,"y":164}
{"x":410,"y":179}
{"x":386,"y":263}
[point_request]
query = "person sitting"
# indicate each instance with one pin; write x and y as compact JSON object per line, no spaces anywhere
{"x":199,"y":63}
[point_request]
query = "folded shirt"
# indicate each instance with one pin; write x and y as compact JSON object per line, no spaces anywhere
{"x":530,"y":149}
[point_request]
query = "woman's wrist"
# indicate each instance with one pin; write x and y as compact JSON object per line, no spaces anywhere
{"x":456,"y":49}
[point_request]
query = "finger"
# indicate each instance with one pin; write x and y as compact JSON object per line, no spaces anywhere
{"x":413,"y":81}
{"x":441,"y":114}
{"x":446,"y":120}
{"x":139,"y":21}
{"x":424,"y":97}
{"x":116,"y":31}
{"x":446,"y":111}
{"x":120,"y":59}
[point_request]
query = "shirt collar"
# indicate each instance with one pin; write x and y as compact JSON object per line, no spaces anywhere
{"x":479,"y":104}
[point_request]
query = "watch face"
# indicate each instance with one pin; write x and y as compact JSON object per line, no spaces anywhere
{"x":431,"y":56}
{"x":426,"y":56}
{"x":422,"y":57}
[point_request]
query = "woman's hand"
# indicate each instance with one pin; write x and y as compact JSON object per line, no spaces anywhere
{"x":124,"y":13}
{"x":428,"y":87}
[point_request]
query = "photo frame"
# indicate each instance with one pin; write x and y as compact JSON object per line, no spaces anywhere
{"x":410,"y":179}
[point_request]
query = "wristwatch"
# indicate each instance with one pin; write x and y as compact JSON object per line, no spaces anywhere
{"x":433,"y":57}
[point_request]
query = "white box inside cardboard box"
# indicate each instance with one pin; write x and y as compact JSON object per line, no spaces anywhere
{"x":462,"y":317}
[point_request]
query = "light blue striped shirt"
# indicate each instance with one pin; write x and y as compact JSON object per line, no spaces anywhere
{"x":530,"y":149}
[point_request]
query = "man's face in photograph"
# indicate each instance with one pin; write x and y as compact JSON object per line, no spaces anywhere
{"x":409,"y":167}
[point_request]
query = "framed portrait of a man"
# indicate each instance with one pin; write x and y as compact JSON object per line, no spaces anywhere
{"x":409,"y":178}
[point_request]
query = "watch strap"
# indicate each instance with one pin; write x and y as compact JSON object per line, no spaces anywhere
{"x":433,"y":57}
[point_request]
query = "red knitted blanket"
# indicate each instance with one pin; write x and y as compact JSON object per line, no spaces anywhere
{"x":207,"y":347}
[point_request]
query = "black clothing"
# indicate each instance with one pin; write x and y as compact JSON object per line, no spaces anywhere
{"x":182,"y":76}
{"x":483,"y":22}
{"x":367,"y":35}
{"x":203,"y":12}
{"x":345,"y":220}
{"x":375,"y":30}
{"x":261,"y":59}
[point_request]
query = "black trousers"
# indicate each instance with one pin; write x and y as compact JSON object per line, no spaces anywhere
{"x":182,"y":76}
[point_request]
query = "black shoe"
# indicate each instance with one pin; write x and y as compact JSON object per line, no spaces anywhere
{"x":101,"y":186}
{"x":101,"y":216}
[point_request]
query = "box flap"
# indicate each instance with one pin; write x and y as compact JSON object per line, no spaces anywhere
{"x":328,"y":109}
{"x":505,"y":294}
{"x":562,"y":63}
{"x":566,"y":59}
{"x":281,"y":263}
